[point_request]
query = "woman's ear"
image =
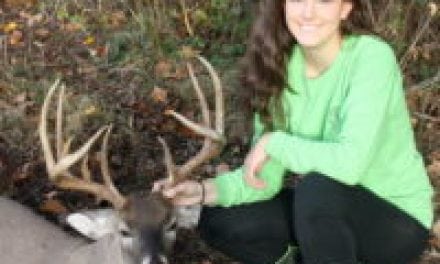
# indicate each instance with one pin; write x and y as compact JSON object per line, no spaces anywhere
{"x":347,"y":6}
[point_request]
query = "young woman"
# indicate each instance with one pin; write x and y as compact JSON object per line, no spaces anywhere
{"x":329,"y":107}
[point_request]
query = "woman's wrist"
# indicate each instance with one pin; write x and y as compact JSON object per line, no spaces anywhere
{"x":202,"y":192}
{"x":208,"y":192}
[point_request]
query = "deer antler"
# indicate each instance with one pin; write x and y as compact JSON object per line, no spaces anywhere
{"x":58,"y":169}
{"x":214,"y":137}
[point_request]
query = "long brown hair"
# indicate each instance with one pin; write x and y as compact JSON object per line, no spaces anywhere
{"x":264,"y":66}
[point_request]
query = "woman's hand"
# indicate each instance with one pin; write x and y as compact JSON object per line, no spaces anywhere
{"x":184,"y":193}
{"x":255,"y":161}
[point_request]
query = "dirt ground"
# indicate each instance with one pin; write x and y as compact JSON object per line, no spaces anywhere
{"x":106,"y":84}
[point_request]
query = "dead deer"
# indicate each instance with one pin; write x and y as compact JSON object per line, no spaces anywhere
{"x":145,"y":223}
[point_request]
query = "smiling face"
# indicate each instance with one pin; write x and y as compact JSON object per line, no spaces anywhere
{"x":315,"y":22}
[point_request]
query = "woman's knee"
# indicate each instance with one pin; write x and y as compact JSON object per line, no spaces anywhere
{"x":318,"y":194}
{"x":213,"y":224}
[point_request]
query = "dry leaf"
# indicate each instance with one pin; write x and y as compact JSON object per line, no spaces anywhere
{"x":35,"y":20}
{"x":9,"y":27}
{"x":180,"y":73}
{"x":31,"y":19}
{"x":89,"y":40}
{"x":16,"y":37}
{"x":118,"y":18}
{"x":434,"y":169}
{"x":188,"y":52}
{"x":88,"y":69}
{"x":163,"y":69}
{"x":72,"y":27}
{"x":20,"y":3}
{"x":200,"y":16}
{"x":436,"y":229}
{"x":53,"y":206}
{"x":159,"y":95}
{"x":42,"y":32}
{"x":102,"y":51}
{"x":20,"y":98}
{"x":433,"y":8}
{"x":91,"y":110}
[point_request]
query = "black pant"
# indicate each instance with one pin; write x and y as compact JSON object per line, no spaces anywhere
{"x":331,"y":223}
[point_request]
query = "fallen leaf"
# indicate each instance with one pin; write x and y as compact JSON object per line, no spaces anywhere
{"x":20,"y":3}
{"x":89,"y":40}
{"x":102,"y":51}
{"x":42,"y":32}
{"x":33,"y":20}
{"x":433,"y":8}
{"x":88,"y":69}
{"x":9,"y":27}
{"x":188,"y":52}
{"x":91,"y":110}
{"x":436,"y":229}
{"x":20,"y":98}
{"x":200,"y":16}
{"x":23,"y":172}
{"x":71,"y":27}
{"x":118,"y":18}
{"x":434,"y":169}
{"x":163,"y":69}
{"x":159,"y":95}
{"x":16,"y":37}
{"x":53,"y":206}
{"x":180,"y":73}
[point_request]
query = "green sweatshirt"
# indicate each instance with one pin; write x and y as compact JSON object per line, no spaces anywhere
{"x":351,"y":124}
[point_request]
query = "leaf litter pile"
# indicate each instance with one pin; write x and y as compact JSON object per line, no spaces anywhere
{"x":107,"y":84}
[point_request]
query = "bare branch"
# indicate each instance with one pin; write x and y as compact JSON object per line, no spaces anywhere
{"x":427,"y":117}
{"x":426,"y":83}
{"x":417,"y":37}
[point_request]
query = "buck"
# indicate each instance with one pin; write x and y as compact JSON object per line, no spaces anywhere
{"x":139,"y":228}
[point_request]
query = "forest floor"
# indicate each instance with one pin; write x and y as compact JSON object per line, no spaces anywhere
{"x":106,"y":83}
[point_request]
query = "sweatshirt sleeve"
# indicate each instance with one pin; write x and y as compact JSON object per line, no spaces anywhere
{"x":373,"y":84}
{"x":233,"y":190}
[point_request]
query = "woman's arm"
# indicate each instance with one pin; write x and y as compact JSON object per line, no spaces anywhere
{"x":375,"y":95}
{"x":228,"y":189}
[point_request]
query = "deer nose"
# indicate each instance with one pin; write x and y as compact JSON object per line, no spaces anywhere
{"x":160,"y":259}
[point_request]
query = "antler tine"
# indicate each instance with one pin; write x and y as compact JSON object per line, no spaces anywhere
{"x":59,"y":124}
{"x":55,"y":169}
{"x":119,"y":198}
{"x":58,"y":170}
{"x":200,"y":96}
{"x":169,"y":163}
{"x":217,"y":134}
{"x":48,"y":155}
{"x":219,"y":102}
{"x":214,"y":138}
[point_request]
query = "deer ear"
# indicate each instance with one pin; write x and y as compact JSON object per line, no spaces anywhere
{"x":83,"y":224}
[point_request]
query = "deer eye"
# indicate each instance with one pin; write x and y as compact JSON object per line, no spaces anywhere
{"x":125,"y":233}
{"x":171,"y":226}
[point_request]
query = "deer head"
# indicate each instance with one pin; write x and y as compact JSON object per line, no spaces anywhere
{"x":145,"y":223}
